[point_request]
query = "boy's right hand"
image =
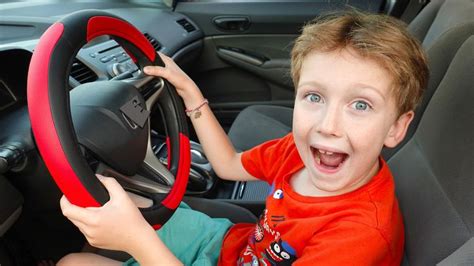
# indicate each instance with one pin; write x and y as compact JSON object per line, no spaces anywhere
{"x":184,"y":85}
{"x":117,"y":225}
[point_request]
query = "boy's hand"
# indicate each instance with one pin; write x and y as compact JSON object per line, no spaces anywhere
{"x":118,"y":225}
{"x":184,"y":85}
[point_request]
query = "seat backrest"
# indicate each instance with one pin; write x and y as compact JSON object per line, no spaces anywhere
{"x":438,"y":17}
{"x":421,"y":24}
{"x":434,"y":171}
{"x":435,"y":22}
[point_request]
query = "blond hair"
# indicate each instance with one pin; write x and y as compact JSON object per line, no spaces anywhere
{"x":377,"y":37}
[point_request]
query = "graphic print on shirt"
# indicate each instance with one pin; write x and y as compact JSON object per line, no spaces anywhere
{"x":275,"y":193}
{"x":277,"y":219}
{"x":266,"y":247}
{"x":278,"y":194}
{"x":258,"y":234}
{"x":280,"y":253}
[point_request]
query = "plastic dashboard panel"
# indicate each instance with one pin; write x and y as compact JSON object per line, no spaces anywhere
{"x":159,"y":23}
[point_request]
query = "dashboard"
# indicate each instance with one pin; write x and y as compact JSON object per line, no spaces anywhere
{"x":101,"y":59}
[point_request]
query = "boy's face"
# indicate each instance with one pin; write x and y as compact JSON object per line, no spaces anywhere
{"x":344,"y":114}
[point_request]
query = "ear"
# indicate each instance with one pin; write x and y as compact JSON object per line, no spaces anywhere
{"x":399,"y":129}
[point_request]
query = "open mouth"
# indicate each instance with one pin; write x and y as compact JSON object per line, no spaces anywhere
{"x":328,"y":161}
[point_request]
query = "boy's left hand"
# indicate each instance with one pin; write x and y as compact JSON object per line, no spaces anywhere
{"x":117,"y":225}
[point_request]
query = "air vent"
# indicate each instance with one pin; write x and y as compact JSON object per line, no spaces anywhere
{"x":154,"y":42}
{"x":81,"y":73}
{"x":186,"y":25}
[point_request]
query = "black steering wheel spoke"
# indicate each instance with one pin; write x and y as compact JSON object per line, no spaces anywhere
{"x":136,"y":183}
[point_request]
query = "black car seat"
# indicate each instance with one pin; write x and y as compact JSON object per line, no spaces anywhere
{"x":259,"y":123}
{"x":434,"y":170}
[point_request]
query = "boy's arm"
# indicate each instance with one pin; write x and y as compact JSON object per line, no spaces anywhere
{"x":217,"y":146}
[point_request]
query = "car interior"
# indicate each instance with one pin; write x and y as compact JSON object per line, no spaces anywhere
{"x":238,"y":53}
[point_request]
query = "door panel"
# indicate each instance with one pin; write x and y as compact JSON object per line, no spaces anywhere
{"x":265,"y":16}
{"x":266,"y":56}
{"x":230,"y":78}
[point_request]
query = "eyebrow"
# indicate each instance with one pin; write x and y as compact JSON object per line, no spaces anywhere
{"x":311,"y":83}
{"x":358,"y":85}
{"x":365,"y":86}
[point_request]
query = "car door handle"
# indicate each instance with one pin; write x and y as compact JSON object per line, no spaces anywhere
{"x":232,"y":23}
{"x":233,"y":53}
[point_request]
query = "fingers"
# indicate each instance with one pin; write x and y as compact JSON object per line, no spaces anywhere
{"x":161,"y":71}
{"x":156,"y":71}
{"x":166,"y":59}
{"x":73,"y":212}
{"x":113,"y":187}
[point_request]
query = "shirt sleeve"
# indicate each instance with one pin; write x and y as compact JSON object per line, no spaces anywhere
{"x":348,"y":244}
{"x":265,"y":159}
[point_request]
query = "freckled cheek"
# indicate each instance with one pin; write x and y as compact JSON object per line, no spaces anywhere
{"x":365,"y":136}
{"x":301,"y":118}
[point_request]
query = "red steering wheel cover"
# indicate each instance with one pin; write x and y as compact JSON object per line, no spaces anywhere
{"x":101,"y":25}
{"x":42,"y":122}
{"x":176,"y":194}
{"x":47,"y":98}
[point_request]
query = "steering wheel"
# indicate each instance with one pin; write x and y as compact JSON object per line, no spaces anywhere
{"x":109,"y":119}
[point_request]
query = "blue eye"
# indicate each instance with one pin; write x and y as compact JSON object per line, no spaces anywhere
{"x":314,"y":98}
{"x":361,"y":106}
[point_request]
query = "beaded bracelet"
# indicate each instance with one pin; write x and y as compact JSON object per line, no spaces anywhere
{"x":196,"y":111}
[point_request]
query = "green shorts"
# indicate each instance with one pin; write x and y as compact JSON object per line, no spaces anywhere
{"x":193,"y":237}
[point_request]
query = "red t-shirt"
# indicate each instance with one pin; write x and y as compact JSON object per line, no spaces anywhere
{"x":362,"y":227}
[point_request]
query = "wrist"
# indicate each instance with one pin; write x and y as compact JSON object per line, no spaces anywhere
{"x":196,"y":110}
{"x":193,"y":101}
{"x":142,"y":240}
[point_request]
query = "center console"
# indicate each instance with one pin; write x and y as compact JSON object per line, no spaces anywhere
{"x":202,"y":178}
{"x":204,"y":182}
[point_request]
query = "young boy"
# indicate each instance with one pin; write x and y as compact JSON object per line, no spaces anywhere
{"x":357,"y":78}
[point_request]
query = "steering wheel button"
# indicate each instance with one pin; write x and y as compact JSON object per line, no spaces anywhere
{"x":105,"y":59}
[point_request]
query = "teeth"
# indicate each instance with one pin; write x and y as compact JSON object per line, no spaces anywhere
{"x":325,"y":152}
{"x":318,"y":159}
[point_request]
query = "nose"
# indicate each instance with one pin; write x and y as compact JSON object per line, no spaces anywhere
{"x":330,"y":121}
